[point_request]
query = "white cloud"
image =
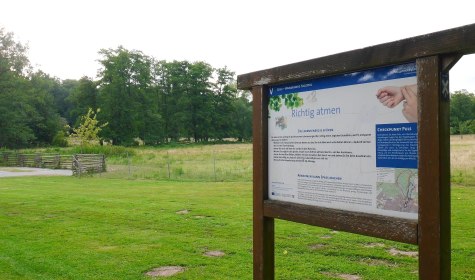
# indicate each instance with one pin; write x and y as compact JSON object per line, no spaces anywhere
{"x":366,"y":77}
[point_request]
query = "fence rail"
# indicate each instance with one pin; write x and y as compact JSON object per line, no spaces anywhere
{"x":79,"y":163}
{"x":88,"y":163}
{"x":213,"y":163}
{"x":52,"y":161}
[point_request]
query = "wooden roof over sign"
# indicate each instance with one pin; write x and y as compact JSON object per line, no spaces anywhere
{"x":457,"y":41}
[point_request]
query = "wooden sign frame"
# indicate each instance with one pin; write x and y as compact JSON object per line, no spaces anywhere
{"x":435,"y":54}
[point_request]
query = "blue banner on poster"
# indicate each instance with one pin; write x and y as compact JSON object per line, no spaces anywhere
{"x":362,"y":77}
{"x":396,"y":145}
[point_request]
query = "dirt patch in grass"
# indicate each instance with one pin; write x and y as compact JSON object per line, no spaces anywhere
{"x":183,"y":212}
{"x":165,"y":271}
{"x":343,"y":276}
{"x":348,"y":277}
{"x":215,"y":254}
{"x":13,"y":214}
{"x":200,"y":217}
{"x":378,"y":262}
{"x":316,"y":246}
{"x":326,"y":236}
{"x":374,"y":245}
{"x":396,"y":252}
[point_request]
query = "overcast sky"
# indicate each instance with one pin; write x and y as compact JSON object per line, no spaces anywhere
{"x":65,"y":36}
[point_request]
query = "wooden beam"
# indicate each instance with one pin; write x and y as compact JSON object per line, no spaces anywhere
{"x":434,"y":171}
{"x":449,"y":61}
{"x":460,"y":40}
{"x":390,"y":228}
{"x":263,"y":227}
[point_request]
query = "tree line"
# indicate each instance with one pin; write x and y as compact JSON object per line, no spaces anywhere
{"x":462,"y":112}
{"x":139,"y":97}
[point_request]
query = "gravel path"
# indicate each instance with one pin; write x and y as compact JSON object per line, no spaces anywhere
{"x":29,"y":171}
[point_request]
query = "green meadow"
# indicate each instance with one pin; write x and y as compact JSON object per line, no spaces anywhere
{"x":120,"y":226}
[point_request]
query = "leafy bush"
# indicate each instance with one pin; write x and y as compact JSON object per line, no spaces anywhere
{"x":60,"y":139}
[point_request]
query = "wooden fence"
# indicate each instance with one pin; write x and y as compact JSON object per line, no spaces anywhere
{"x":79,"y":164}
{"x":52,"y":161}
{"x":88,"y":163}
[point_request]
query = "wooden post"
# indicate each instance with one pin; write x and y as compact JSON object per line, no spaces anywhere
{"x":434,"y":171}
{"x":214,"y":165}
{"x":168,"y":164}
{"x":128,"y":164}
{"x":36,"y":160}
{"x":57,"y":161}
{"x":263,"y":227}
{"x":435,"y":54}
{"x":103,"y":162}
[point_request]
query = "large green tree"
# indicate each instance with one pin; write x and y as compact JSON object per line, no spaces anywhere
{"x":242,"y":117}
{"x":82,"y":96}
{"x":225,"y":91}
{"x":14,"y":129}
{"x":28,"y":115}
{"x":199,"y":94}
{"x":196,"y":100}
{"x":61,"y":94}
{"x":124,"y":87}
{"x":462,"y":112}
{"x":44,"y":118}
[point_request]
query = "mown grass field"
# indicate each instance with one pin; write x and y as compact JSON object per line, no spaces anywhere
{"x":103,"y":228}
{"x":96,"y":228}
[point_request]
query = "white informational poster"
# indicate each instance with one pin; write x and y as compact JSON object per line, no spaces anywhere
{"x":347,"y":142}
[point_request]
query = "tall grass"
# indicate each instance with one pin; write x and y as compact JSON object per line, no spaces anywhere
{"x":462,"y":159}
{"x":222,"y":162}
{"x":109,"y":151}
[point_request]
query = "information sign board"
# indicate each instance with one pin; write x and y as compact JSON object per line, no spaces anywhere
{"x":336,"y":146}
{"x":346,"y":142}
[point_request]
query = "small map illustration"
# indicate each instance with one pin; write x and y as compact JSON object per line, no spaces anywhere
{"x":397,"y":189}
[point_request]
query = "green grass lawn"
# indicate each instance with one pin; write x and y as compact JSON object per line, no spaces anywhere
{"x":99,"y":228}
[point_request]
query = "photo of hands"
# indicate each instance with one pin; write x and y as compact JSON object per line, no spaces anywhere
{"x":391,"y":96}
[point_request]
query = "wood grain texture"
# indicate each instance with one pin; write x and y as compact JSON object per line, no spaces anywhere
{"x":460,"y":40}
{"x":263,"y":227}
{"x":390,"y":228}
{"x":434,"y":172}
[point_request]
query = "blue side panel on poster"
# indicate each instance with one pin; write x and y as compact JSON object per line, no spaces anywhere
{"x":396,"y":145}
